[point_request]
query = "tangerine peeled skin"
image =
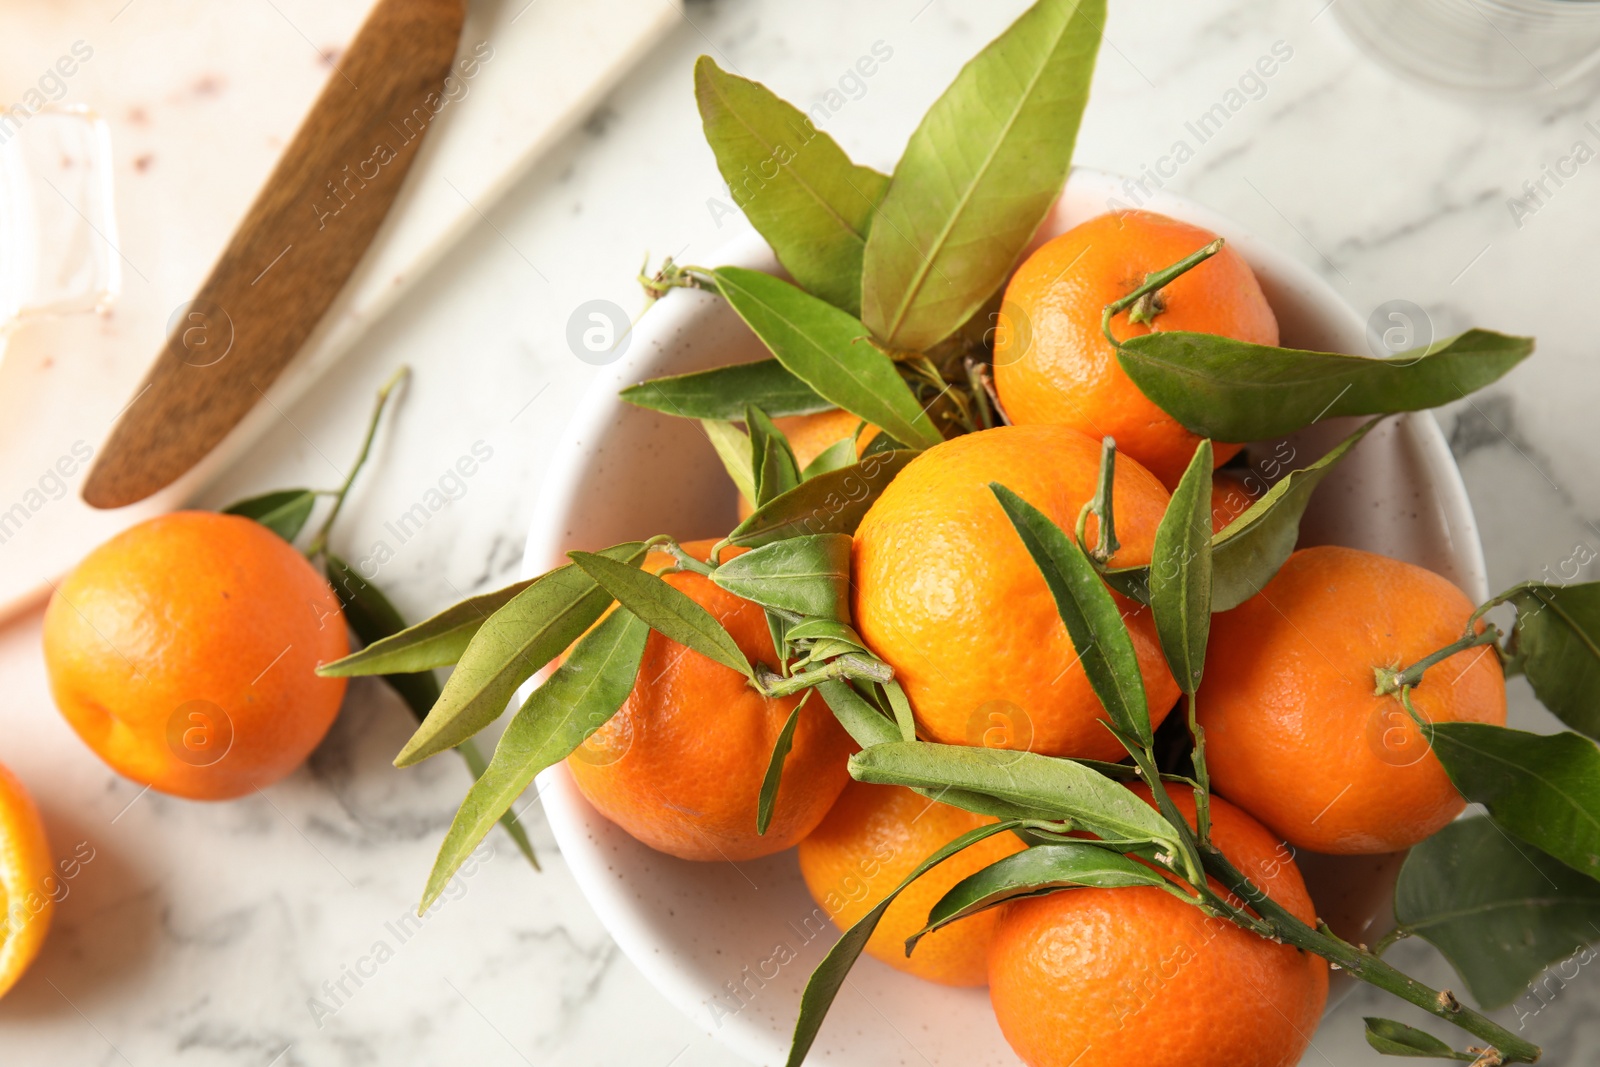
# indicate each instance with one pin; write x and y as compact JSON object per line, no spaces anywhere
{"x":871,"y":841}
{"x":184,"y":651}
{"x":679,"y":766}
{"x":28,"y":884}
{"x":1113,"y":977}
{"x":946,"y":593}
{"x":1296,"y":732}
{"x":1052,"y":362}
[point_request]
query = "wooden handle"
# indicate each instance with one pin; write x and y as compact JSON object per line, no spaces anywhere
{"x":308,"y":228}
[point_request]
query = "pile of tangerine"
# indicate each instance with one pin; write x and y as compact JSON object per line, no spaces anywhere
{"x":946,"y":594}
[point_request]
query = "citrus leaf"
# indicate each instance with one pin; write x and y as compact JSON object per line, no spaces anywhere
{"x":1180,"y":573}
{"x":1556,"y":642}
{"x":820,"y":629}
{"x":1398,"y":1039}
{"x":1064,"y":789}
{"x":773,"y":777}
{"x":1231,"y":390}
{"x":776,"y":470}
{"x":900,"y":704}
{"x":1499,"y":911}
{"x":829,"y":350}
{"x":1544,"y":788}
{"x":792,"y":181}
{"x":724,"y":392}
{"x":829,"y":503}
{"x":837,"y":456}
{"x":1092,"y":618}
{"x":438,"y":641}
{"x":577,"y":699}
{"x":1034,"y":872}
{"x":374,"y":618}
{"x":284,"y":512}
{"x":668,"y":611}
{"x":1249,"y":550}
{"x":808,"y":575}
{"x":865,"y":724}
{"x":979,"y":174}
{"x":529,"y":631}
{"x":733,"y":448}
{"x":830,"y":974}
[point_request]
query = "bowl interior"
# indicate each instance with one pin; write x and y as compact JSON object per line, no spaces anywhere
{"x":732,"y":944}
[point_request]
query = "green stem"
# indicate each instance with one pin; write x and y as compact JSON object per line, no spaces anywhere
{"x":1106,"y":543}
{"x":980,"y":393}
{"x":847,"y":666}
{"x":1202,"y":792}
{"x":1155,"y":281}
{"x":686,"y":561}
{"x":319,"y":543}
{"x":1366,"y":965}
{"x":1390,"y":939}
{"x":1392,"y":681}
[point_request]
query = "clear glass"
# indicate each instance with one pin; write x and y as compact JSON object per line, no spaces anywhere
{"x":58,"y":229}
{"x":1490,"y":47}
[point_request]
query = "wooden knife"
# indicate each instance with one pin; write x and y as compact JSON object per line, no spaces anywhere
{"x":305,"y":233}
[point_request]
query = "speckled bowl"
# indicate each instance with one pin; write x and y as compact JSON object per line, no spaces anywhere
{"x":732,"y":945}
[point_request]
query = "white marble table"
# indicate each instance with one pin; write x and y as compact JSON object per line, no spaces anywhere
{"x":200,"y":933}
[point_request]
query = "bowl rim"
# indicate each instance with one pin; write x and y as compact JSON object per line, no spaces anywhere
{"x":628,"y":922}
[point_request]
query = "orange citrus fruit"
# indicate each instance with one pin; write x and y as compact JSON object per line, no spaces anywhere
{"x":1054,"y":365}
{"x":1295,"y":732}
{"x":871,"y":841}
{"x":26,"y":900}
{"x":1231,"y":496}
{"x":680,"y":764}
{"x":811,"y":435}
{"x":1112,"y":977}
{"x":946,"y":593}
{"x":184,"y":652}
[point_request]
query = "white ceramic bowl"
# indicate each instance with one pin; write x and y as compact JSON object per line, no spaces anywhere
{"x":732,"y":945}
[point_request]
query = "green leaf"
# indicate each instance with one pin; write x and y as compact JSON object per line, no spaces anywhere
{"x":723,"y":393}
{"x":829,"y":503}
{"x":374,"y":618}
{"x":1250,"y":549}
{"x":1499,"y":911}
{"x":979,"y":174}
{"x":837,"y":456}
{"x":1556,"y":641}
{"x":808,"y":575}
{"x":823,"y":629}
{"x":830,"y":350}
{"x":1180,"y":573}
{"x":863,"y":722}
{"x":577,"y":699}
{"x":284,"y":512}
{"x":793,"y":182}
{"x":733,"y":448}
{"x":900,"y":704}
{"x":668,"y":611}
{"x":1230,"y":390}
{"x":1398,"y":1039}
{"x":1092,"y":618}
{"x":533,"y":628}
{"x":435,"y":642}
{"x":830,"y":974}
{"x":1034,"y":872}
{"x":1544,"y":788}
{"x":776,"y":470}
{"x":773,"y":776}
{"x":1065,"y":789}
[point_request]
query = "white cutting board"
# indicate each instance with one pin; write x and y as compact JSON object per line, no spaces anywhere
{"x":201,"y":97}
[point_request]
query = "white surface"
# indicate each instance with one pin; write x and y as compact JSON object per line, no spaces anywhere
{"x":525,"y":74}
{"x":707,"y":934}
{"x":199,"y":932}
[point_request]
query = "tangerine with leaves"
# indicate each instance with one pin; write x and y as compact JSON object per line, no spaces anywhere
{"x":184,"y":652}
{"x":1060,"y":369}
{"x":680,"y":765}
{"x":870,"y":842}
{"x":947,"y":594}
{"x":26,"y":902}
{"x":1296,"y":732}
{"x":1110,"y":977}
